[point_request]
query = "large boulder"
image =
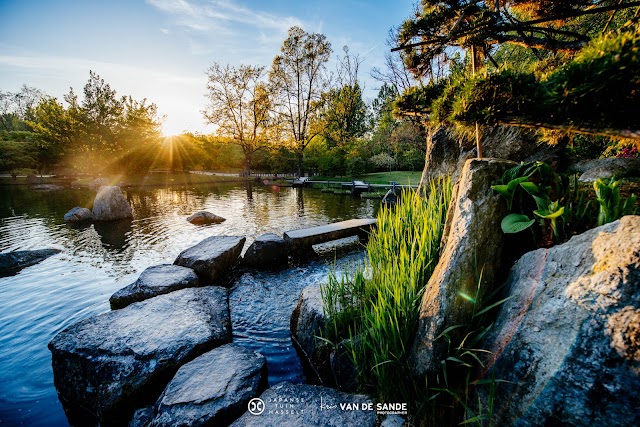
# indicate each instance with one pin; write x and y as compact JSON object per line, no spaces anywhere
{"x":591,"y":170}
{"x":99,"y":182}
{"x":106,"y":366}
{"x":307,"y":321}
{"x":78,"y":215}
{"x":289,"y":405}
{"x":212,"y":258}
{"x":213,"y":389}
{"x":12,"y":262}
{"x":473,"y":248}
{"x":154,"y":281}
{"x":110,"y":204}
{"x":567,"y":343}
{"x":204,"y":217}
{"x":267,"y":252}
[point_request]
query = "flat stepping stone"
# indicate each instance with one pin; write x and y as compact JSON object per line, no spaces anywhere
{"x":107,"y":365}
{"x":154,"y":281}
{"x":213,"y":389}
{"x":212,"y":258}
{"x":12,"y":262}
{"x":300,"y":241}
{"x":267,"y":252}
{"x":294,"y":405}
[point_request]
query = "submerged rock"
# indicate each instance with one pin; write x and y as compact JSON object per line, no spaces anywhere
{"x":154,"y":281}
{"x":267,"y":252}
{"x":110,"y":204}
{"x":78,"y":214}
{"x":213,"y":389}
{"x":212,"y":258}
{"x":289,"y":405}
{"x":473,"y":246}
{"x":107,"y":365}
{"x":567,"y":342}
{"x":12,"y":262}
{"x":204,"y":217}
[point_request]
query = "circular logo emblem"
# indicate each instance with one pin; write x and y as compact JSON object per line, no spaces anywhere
{"x":256,"y":406}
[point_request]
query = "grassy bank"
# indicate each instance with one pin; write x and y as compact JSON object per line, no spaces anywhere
{"x":401,"y":177}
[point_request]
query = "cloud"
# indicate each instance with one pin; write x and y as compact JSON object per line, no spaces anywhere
{"x":222,"y":14}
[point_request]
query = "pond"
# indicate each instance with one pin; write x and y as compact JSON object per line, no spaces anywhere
{"x":98,"y":260}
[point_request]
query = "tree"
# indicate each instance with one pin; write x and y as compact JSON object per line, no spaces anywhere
{"x":298,"y":82}
{"x":15,"y":107}
{"x":239,"y":106}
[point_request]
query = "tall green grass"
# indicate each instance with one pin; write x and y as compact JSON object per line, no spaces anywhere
{"x":377,"y":306}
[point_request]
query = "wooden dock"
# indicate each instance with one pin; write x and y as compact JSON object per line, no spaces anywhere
{"x":301,"y":241}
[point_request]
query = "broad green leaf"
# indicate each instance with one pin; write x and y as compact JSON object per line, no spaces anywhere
{"x":515,"y":223}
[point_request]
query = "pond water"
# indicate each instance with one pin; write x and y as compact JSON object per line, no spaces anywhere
{"x":97,"y":260}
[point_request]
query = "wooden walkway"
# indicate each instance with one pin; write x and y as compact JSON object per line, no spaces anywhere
{"x":300,"y":241}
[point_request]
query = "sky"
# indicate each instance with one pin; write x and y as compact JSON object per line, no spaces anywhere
{"x":161,"y":49}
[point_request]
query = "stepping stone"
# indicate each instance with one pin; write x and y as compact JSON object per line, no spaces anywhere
{"x":212,"y":258}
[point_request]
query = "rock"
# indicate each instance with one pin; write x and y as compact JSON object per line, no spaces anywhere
{"x":332,"y":249}
{"x":110,"y":204}
{"x":308,"y":405}
{"x":212,"y":258}
{"x":78,"y":214}
{"x":154,"y":281}
{"x":473,"y":246}
{"x":267,"y":252}
{"x":100,"y":182}
{"x":12,"y":262}
{"x":591,"y":170}
{"x":213,"y":389}
{"x":106,"y":366}
{"x":567,"y":342}
{"x":142,"y":417}
{"x":203,"y":217}
{"x":393,"y":421}
{"x":447,"y":152}
{"x":307,"y":321}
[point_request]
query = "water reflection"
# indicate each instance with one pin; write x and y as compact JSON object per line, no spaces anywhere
{"x":99,"y":259}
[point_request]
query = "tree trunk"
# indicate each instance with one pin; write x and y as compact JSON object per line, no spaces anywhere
{"x":247,"y":165}
{"x":300,"y":155}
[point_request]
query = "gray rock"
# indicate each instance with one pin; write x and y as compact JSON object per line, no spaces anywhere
{"x":142,"y":417}
{"x":591,"y":170}
{"x":567,"y":342}
{"x":212,"y":258}
{"x":107,"y":365}
{"x":213,"y":389}
{"x":307,"y":321}
{"x":12,"y":262}
{"x":110,"y":204}
{"x":267,"y":252}
{"x":154,"y":281}
{"x":473,"y":245}
{"x":78,"y":214}
{"x":330,"y":250}
{"x":289,"y":405}
{"x":204,"y":217}
{"x":393,"y":421}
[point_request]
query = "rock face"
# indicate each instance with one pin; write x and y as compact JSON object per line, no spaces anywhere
{"x":473,"y":238}
{"x":308,"y":405}
{"x":212,"y":258}
{"x":78,"y":214}
{"x":12,"y":262}
{"x":107,"y":365}
{"x":306,"y":323}
{"x":568,"y":340}
{"x":154,"y":281}
{"x":267,"y":252}
{"x":213,"y":389}
{"x":447,"y":152}
{"x":203,"y":217}
{"x":591,"y":170}
{"x":110,"y":204}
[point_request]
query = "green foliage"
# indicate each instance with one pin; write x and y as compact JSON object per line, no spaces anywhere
{"x":535,"y":189}
{"x":378,"y":309}
{"x":612,"y":207}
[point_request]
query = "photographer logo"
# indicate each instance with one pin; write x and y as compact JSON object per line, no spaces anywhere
{"x":256,"y":406}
